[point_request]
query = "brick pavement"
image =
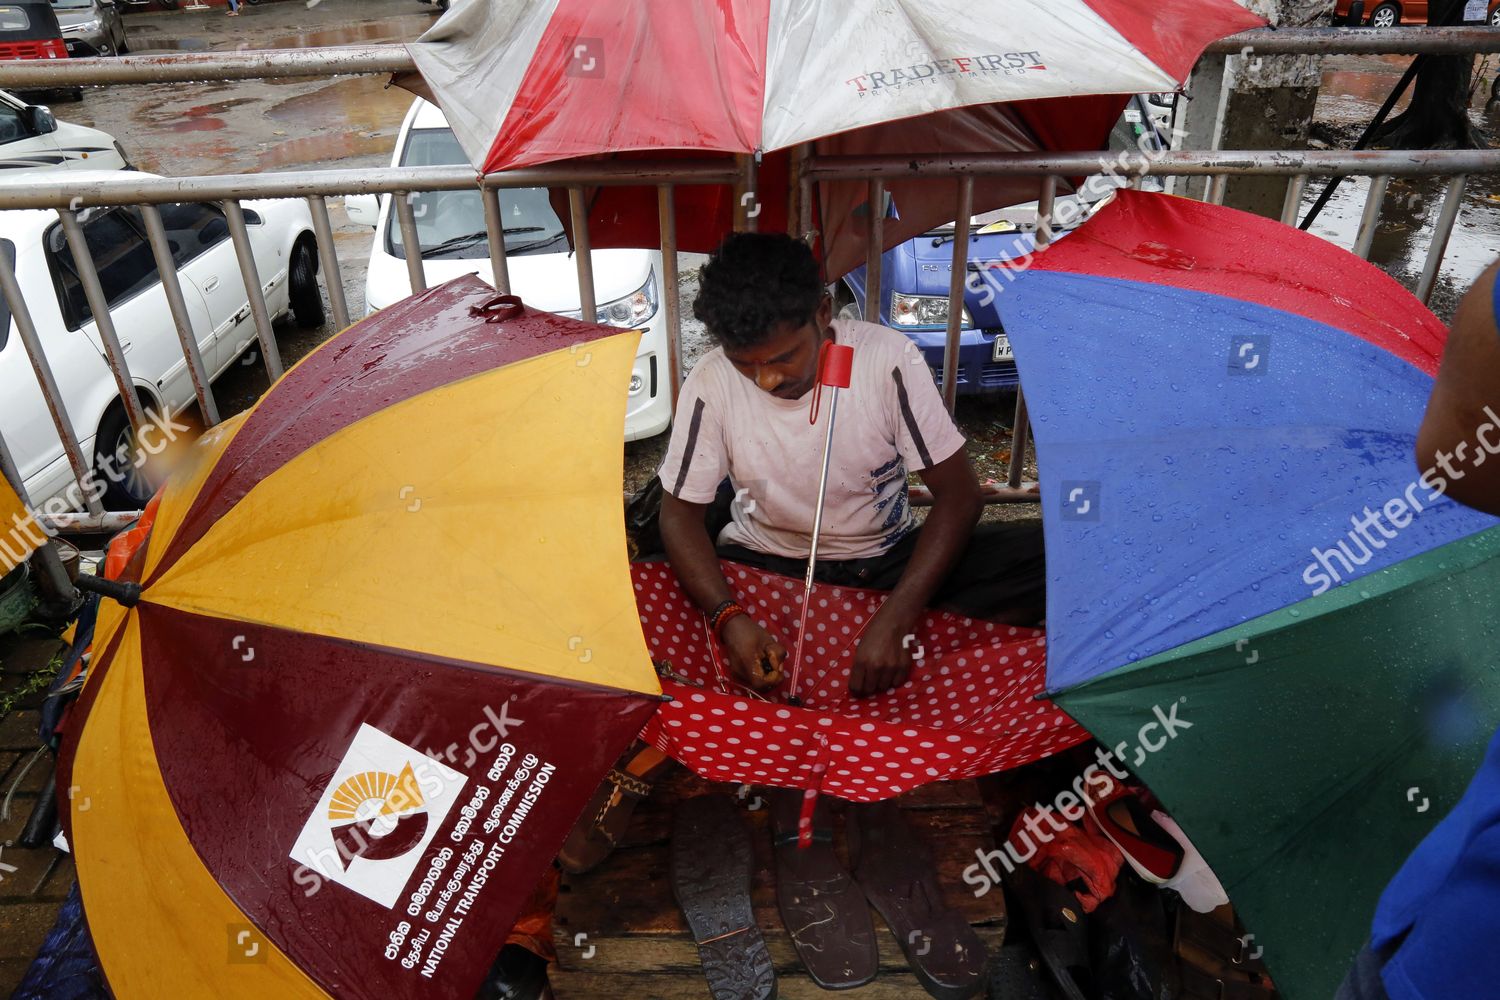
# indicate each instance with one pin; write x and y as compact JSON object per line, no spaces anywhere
{"x":31,"y":894}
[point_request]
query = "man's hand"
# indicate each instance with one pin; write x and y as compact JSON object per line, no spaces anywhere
{"x":755,"y":657}
{"x":883,"y":659}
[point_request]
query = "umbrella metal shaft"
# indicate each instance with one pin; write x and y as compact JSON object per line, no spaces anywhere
{"x":812,"y":554}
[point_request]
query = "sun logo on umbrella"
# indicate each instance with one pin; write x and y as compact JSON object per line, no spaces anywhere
{"x":377,"y":815}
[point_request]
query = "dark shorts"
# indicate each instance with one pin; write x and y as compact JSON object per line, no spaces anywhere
{"x":1002,"y":575}
{"x":1363,"y":981}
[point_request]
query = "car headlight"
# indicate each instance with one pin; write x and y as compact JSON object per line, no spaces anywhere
{"x":81,"y":27}
{"x":923,"y":310}
{"x":628,"y":312}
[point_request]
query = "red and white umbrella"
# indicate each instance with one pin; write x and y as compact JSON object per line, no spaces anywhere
{"x":525,"y":82}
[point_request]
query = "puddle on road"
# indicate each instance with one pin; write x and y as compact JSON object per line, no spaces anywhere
{"x":1353,"y":89}
{"x":359,"y":104}
{"x":1405,"y":230}
{"x":197,"y":125}
{"x":323,"y":149}
{"x":345,"y":34}
{"x":158,"y":45}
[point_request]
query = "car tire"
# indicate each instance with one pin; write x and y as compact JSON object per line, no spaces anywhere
{"x":302,"y":287}
{"x":1494,"y":18}
{"x":1386,"y":15}
{"x":134,"y":490}
{"x":168,"y":4}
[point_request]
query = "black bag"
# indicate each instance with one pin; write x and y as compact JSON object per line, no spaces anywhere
{"x":643,"y":522}
{"x":643,"y":519}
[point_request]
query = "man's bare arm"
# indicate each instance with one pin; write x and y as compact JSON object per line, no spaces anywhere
{"x":1467,"y":382}
{"x":684,"y":533}
{"x":883,"y":658}
{"x":957,"y":504}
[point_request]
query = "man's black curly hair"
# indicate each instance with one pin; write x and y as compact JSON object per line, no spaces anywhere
{"x":754,"y":282}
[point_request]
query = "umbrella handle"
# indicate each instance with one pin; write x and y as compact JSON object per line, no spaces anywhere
{"x":500,"y":308}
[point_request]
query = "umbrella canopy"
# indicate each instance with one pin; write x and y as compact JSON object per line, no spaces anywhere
{"x":1252,"y":590}
{"x":525,"y":82}
{"x":19,"y":532}
{"x":385,"y":650}
{"x":972,"y":706}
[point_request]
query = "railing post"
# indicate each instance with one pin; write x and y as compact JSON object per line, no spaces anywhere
{"x":494,"y":226}
{"x":328,"y":260}
{"x":56,"y":577}
{"x":956,"y":286}
{"x":583,"y":251}
{"x":235,"y":216}
{"x":1441,"y":231}
{"x":93,"y":291}
{"x":1371,"y":217}
{"x":156,"y":234}
{"x":1292,"y":206}
{"x":874,"y":250}
{"x":666,"y":219}
{"x":411,"y":242}
{"x":82,"y":469}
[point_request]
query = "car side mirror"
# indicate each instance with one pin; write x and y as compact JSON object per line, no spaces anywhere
{"x":363,"y":209}
{"x":42,"y":122}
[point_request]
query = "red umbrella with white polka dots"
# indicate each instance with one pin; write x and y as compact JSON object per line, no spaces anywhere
{"x":971,"y":706}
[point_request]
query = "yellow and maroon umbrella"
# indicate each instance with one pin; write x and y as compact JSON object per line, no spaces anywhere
{"x":381,"y":648}
{"x":18,"y":529}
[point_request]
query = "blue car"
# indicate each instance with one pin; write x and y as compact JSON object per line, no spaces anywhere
{"x":915,"y":274}
{"x":914,"y":299}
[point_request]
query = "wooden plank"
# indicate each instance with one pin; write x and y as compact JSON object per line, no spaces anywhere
{"x":581,"y":986}
{"x":652,"y":821}
{"x":631,"y":892}
{"x":676,"y":954}
{"x":623,"y":917}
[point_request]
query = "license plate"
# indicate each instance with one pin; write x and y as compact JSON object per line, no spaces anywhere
{"x":1002,"y":348}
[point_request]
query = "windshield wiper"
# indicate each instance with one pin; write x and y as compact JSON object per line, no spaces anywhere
{"x":537,"y":244}
{"x":469,"y":239}
{"x":938,"y":241}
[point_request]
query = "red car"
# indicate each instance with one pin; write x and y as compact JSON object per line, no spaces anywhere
{"x":1389,"y":13}
{"x":28,"y":30}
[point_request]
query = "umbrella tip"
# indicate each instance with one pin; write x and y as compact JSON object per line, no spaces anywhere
{"x":126,"y":594}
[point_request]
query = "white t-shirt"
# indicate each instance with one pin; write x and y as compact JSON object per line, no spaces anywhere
{"x":890,"y":419}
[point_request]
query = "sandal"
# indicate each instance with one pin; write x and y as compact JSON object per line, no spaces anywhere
{"x":823,"y":910}
{"x":604,"y":820}
{"x":896,"y":872}
{"x":710,"y":870}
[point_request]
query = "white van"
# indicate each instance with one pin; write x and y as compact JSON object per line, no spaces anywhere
{"x":543,"y":272}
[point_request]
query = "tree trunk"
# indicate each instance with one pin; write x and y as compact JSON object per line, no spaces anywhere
{"x":1438,"y":116}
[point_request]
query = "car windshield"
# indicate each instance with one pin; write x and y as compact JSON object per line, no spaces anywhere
{"x":72,"y":4}
{"x":450,"y":224}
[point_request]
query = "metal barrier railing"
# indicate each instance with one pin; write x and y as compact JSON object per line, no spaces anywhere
{"x":67,"y":197}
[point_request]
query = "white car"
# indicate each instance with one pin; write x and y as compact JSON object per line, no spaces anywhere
{"x":450,"y":225}
{"x":281,"y":234}
{"x":31,"y":139}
